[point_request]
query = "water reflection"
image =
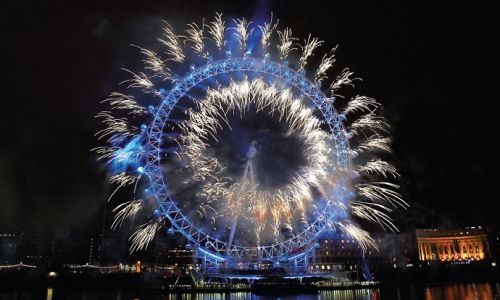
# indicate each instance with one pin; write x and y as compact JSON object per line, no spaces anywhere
{"x":50,"y":291}
{"x":478,"y":291}
{"x":360,"y":294}
{"x":210,"y":296}
{"x":481,"y":291}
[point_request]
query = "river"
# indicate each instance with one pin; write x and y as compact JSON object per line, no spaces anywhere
{"x":470,"y":291}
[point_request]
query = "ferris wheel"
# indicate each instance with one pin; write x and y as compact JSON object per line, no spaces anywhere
{"x":233,"y":139}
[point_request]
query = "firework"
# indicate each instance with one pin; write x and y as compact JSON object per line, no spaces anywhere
{"x":287,"y":43}
{"x":307,"y":51}
{"x":211,"y":116}
{"x":326,"y":63}
{"x":266,"y":30}
{"x":166,"y":152}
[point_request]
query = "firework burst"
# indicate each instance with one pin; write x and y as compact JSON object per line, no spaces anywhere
{"x":167,"y":149}
{"x":274,"y":205}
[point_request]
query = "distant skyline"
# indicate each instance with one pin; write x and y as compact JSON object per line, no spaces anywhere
{"x":434,"y":67}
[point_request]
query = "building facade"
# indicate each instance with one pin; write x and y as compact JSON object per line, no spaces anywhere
{"x":340,"y":252}
{"x":467,"y":244}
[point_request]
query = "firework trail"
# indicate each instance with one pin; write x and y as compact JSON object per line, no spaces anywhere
{"x":287,"y":43}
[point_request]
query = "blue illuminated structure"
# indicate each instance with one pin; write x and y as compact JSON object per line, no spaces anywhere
{"x":294,"y":251}
{"x":141,"y":133}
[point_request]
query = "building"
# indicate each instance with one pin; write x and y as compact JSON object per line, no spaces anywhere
{"x":454,"y":245}
{"x":39,"y":249}
{"x":43,"y":250}
{"x":79,"y":249}
{"x":340,"y":252}
{"x":177,"y":256}
{"x":10,"y":248}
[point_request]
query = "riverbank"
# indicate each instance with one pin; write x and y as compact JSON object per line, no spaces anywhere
{"x":157,"y":281}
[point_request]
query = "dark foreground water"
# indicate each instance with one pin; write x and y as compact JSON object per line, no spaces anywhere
{"x":476,"y":291}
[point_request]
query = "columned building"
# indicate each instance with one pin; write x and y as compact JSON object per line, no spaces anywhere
{"x":467,"y":244}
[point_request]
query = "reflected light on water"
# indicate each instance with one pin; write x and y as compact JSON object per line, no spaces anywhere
{"x":478,"y":291}
{"x":481,"y":291}
{"x":358,"y":294}
{"x":210,"y":296}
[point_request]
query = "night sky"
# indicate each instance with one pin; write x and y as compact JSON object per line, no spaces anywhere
{"x":434,"y":68}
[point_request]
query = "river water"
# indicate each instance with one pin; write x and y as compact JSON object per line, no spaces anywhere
{"x":473,"y":291}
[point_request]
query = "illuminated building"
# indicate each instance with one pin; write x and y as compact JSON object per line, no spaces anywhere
{"x":177,"y":256}
{"x":339,"y":252}
{"x":467,"y":244}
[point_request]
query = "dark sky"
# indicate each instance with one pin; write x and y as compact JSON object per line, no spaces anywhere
{"x":435,"y":69}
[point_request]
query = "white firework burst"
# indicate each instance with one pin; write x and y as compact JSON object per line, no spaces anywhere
{"x":125,"y":211}
{"x":361,"y":104}
{"x":116,"y":128}
{"x":343,"y":79}
{"x":378,"y":167}
{"x":173,"y":44}
{"x":242,"y":31}
{"x":212,"y":116}
{"x":287,"y":43}
{"x":128,"y":129}
{"x":144,"y":235}
{"x":266,"y":31}
{"x":195,"y":36}
{"x":216,"y":29}
{"x":128,"y":103}
{"x":138,"y":80}
{"x":326,"y":63}
{"x":152,"y":61}
{"x":307,"y":50}
{"x":369,"y":122}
